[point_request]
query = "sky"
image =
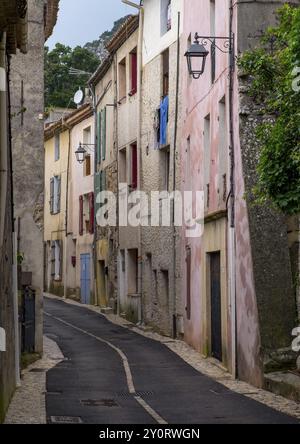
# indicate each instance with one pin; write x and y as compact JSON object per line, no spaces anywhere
{"x":82,"y":21}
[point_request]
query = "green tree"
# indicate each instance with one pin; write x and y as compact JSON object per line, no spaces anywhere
{"x":273,"y":70}
{"x":60,"y":86}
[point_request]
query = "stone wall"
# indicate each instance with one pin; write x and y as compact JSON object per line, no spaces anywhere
{"x":7,"y":358}
{"x":27,"y":97}
{"x":158,"y":255}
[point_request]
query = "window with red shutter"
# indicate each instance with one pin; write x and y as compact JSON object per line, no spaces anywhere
{"x":134,"y":172}
{"x":81,"y":215}
{"x":92,"y":212}
{"x":133,"y":73}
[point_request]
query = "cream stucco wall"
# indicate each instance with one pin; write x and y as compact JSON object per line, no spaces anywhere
{"x":79,"y":185}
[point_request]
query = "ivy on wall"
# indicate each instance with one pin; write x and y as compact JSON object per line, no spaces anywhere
{"x":274,"y":73}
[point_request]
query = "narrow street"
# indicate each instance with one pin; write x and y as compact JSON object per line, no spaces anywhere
{"x":111,"y":375}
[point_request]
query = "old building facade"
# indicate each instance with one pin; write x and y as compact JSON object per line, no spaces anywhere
{"x":160,"y":168}
{"x":69,"y":207}
{"x":27,"y":104}
{"x":238,"y":272}
{"x":21,"y":41}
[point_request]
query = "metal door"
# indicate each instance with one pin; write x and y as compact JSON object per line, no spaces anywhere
{"x":216,"y":308}
{"x":85,"y":278}
{"x":28,"y":320}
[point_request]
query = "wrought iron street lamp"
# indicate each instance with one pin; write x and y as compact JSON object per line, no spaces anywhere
{"x":80,"y":154}
{"x":196,"y":58}
{"x":82,"y":151}
{"x":197,"y":54}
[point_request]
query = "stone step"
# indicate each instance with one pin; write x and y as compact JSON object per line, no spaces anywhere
{"x":107,"y":310}
{"x":285,"y":383}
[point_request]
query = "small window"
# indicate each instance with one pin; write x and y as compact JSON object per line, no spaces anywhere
{"x":132,"y":271}
{"x":165,"y":73}
{"x":55,"y":192}
{"x":133,"y":72}
{"x":134,"y":166}
{"x":56,"y":147}
{"x":213,"y":32}
{"x":166,"y":16}
{"x":207,"y":155}
{"x":122,"y":80}
{"x":165,"y":169}
{"x":87,"y":166}
{"x":122,"y":166}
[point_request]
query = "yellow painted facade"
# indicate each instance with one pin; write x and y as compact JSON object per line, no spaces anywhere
{"x":54,"y":224}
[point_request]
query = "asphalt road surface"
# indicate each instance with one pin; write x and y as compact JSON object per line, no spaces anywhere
{"x":112,"y":375}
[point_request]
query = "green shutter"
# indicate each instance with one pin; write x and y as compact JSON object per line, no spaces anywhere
{"x":99,"y":118}
{"x":103,"y":181}
{"x":104,"y":133}
{"x":98,"y":177}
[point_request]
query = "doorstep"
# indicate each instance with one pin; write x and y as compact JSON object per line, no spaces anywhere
{"x":285,"y":383}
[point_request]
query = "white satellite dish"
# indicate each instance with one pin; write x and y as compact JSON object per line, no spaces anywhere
{"x":79,"y":96}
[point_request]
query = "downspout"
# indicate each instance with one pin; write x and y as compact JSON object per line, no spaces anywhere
{"x":116,"y":138}
{"x":66,"y":216}
{"x":140,"y":239}
{"x":94,"y":98}
{"x":231,"y":242}
{"x":174,"y":317}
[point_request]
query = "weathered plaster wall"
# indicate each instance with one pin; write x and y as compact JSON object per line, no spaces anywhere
{"x":79,"y":184}
{"x":128,"y":133}
{"x":28,"y":159}
{"x":107,"y":237}
{"x":202,"y":167}
{"x":54,"y":224}
{"x":160,"y":304}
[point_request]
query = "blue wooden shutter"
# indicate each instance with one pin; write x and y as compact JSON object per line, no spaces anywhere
{"x":51,"y":195}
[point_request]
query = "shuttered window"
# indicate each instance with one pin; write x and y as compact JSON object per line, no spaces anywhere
{"x":134,"y":172}
{"x":80,"y":215}
{"x":55,"y":194}
{"x":58,"y":194}
{"x":103,"y":133}
{"x":57,"y":147}
{"x":92,"y":212}
{"x":99,"y":137}
{"x":133,"y":57}
{"x":97,"y":190}
{"x":51,"y":202}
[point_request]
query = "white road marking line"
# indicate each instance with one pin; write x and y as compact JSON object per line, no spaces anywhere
{"x":129,"y":378}
{"x":150,"y":410}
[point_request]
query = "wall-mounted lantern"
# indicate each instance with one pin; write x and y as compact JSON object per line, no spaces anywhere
{"x":197,"y":54}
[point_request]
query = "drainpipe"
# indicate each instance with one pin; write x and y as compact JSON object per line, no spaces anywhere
{"x":94,"y":98}
{"x":174,"y":317}
{"x":231,"y":240}
{"x":66,"y":216}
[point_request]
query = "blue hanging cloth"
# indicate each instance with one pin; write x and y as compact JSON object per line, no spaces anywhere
{"x":164,"y":111}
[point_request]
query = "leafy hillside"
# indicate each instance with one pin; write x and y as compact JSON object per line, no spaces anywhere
{"x":60,"y":86}
{"x":98,"y":46}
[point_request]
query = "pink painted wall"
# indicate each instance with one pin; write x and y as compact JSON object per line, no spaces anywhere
{"x":200,"y":98}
